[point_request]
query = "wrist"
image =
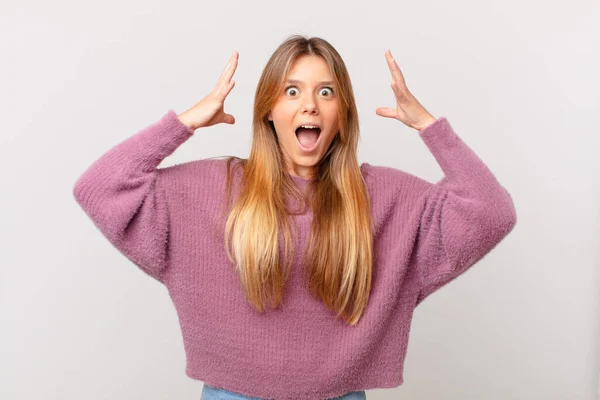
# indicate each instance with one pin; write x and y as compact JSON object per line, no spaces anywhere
{"x":184,"y":120}
{"x":425,"y":123}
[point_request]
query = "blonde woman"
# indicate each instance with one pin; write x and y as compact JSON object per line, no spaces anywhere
{"x":295,"y":272}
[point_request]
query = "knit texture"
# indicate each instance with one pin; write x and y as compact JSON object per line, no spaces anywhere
{"x":165,"y":221}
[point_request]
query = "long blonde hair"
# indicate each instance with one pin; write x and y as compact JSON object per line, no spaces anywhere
{"x":338,"y":258}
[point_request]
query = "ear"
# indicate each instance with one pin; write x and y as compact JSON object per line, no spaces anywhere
{"x":269,"y":116}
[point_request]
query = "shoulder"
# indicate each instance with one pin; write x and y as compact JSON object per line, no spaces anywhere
{"x":210,"y":173}
{"x":396,"y":196}
{"x":378,"y":172}
{"x":385,"y":180}
{"x":198,"y":185}
{"x":208,"y":167}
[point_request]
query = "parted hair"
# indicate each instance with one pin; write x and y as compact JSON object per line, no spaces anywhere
{"x":338,"y":257}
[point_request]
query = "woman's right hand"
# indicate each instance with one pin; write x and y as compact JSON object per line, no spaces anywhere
{"x":209,"y":111}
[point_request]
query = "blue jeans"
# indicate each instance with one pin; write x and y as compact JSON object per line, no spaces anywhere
{"x":213,"y":393}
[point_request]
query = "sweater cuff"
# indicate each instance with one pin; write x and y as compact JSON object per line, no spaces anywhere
{"x":171,"y":118}
{"x":439,"y":134}
{"x":150,"y":145}
{"x":172,"y":124}
{"x":164,"y":137}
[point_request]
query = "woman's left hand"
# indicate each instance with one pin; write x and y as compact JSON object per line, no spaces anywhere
{"x":408,"y":110}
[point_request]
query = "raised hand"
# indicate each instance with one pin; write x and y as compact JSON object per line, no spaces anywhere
{"x":209,"y":111}
{"x":408,"y":109}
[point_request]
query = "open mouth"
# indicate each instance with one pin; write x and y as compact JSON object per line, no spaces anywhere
{"x":308,"y":138}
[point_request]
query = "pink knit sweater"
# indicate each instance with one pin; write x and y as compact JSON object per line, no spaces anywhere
{"x":164,"y":221}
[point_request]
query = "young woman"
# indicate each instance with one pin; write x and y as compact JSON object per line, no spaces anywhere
{"x":295,"y":272}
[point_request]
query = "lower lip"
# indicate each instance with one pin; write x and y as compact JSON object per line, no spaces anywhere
{"x":313,"y":147}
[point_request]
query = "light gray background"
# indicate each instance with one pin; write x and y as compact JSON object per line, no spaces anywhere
{"x":516,"y":79}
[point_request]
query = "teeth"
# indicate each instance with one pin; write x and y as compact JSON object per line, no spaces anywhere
{"x":309,"y":126}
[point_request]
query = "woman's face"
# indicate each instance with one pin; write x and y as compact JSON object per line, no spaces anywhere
{"x":309,"y":98}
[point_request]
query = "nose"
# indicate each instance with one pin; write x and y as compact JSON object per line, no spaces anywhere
{"x":309,"y":105}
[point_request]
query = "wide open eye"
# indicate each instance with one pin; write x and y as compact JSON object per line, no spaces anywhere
{"x":290,"y":87}
{"x":320,"y":91}
{"x":330,"y":90}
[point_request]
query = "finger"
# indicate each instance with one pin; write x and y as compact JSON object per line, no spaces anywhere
{"x":224,"y":70}
{"x":225,"y":85}
{"x":229,"y":69}
{"x":223,"y":92}
{"x":400,"y":93}
{"x":228,"y":89}
{"x":232,"y":66}
{"x":386,"y":112}
{"x":394,"y":68}
{"x":229,"y":119}
{"x":232,"y":59}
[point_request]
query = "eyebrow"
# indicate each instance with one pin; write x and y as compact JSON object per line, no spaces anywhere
{"x":300,"y":82}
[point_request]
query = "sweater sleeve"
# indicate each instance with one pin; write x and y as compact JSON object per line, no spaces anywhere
{"x":122,"y":193}
{"x":463,"y":216}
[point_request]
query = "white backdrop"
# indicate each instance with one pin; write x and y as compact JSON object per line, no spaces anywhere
{"x":517,"y":80}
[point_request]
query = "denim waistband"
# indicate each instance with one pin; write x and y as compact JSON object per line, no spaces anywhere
{"x":214,"y":393}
